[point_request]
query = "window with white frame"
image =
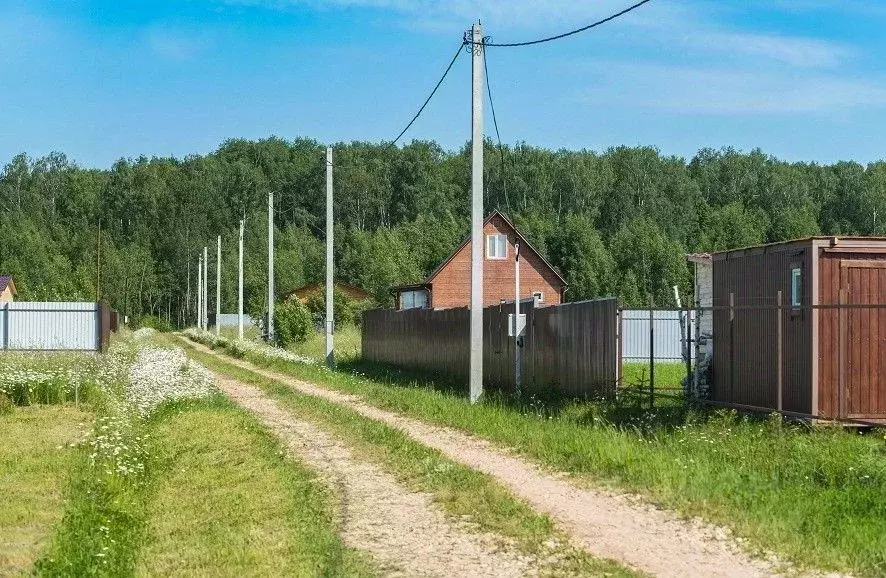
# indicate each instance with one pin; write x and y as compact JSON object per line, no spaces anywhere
{"x":417,"y":299}
{"x":796,"y":286}
{"x":538,"y":296}
{"x":496,"y":246}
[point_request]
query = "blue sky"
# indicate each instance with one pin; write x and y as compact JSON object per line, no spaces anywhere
{"x":100,"y":80}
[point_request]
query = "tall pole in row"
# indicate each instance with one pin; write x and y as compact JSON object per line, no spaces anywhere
{"x":218,"y":288}
{"x":240,"y":285}
{"x":330,"y":311}
{"x":200,"y":292}
{"x":205,"y":288}
{"x":271,"y":267}
{"x":476,"y":367}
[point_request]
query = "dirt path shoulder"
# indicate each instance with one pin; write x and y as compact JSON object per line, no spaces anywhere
{"x":607,"y":524}
{"x":403,"y":531}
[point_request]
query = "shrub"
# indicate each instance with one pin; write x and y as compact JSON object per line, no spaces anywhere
{"x":5,"y":404}
{"x":346,"y":311}
{"x":292,"y":322}
{"x":154,"y":322}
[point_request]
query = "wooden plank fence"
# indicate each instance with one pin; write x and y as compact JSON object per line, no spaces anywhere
{"x":570,"y":349}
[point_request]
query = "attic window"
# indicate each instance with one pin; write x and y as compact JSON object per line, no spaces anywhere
{"x":538,"y":296}
{"x":496,"y":246}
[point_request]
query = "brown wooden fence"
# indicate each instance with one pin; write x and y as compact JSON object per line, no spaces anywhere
{"x":571,"y":348}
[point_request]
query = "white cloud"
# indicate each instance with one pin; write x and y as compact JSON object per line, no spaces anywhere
{"x":175,"y":44}
{"x":794,"y":51}
{"x":722,"y":91}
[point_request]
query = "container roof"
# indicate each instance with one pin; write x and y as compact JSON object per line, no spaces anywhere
{"x":833,"y":239}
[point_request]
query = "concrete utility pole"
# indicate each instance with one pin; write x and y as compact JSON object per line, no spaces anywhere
{"x":518,"y":377}
{"x":200,"y":292}
{"x":218,"y":288}
{"x":240,"y":286}
{"x":205,"y":288}
{"x":271,"y":267}
{"x":476,"y":370}
{"x":330,"y":276}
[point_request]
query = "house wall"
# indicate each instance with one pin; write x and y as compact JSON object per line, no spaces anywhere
{"x":451,"y":287}
{"x":6,"y":295}
{"x":745,"y":369}
{"x":864,"y":384}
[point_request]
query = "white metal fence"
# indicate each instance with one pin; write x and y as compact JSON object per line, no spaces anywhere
{"x":668,"y":335}
{"x":50,"y":326}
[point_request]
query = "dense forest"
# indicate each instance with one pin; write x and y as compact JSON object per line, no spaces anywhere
{"x":615,"y":223}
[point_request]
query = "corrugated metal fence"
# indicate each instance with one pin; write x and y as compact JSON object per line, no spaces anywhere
{"x":571,"y":348}
{"x":51,"y":326}
{"x":668,"y":334}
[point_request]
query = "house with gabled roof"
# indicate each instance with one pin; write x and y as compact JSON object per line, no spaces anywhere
{"x":449,"y":285}
{"x":7,"y":289}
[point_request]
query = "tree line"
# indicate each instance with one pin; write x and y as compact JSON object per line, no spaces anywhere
{"x":616,"y":222}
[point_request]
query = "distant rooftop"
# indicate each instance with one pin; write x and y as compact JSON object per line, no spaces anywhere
{"x":6,"y":281}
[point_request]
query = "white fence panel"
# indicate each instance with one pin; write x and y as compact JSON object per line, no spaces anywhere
{"x":230,"y":320}
{"x":49,"y":326}
{"x":668,"y":335}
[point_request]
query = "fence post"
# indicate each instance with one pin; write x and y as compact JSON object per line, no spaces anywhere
{"x":688,"y":351}
{"x":731,"y":344}
{"x":651,"y":354}
{"x":779,"y":352}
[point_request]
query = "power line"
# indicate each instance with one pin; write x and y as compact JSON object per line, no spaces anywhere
{"x":571,"y":32}
{"x":501,"y":149}
{"x":430,"y":96}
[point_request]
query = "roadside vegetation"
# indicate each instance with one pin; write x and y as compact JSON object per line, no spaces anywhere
{"x":464,"y":493}
{"x":36,"y":453}
{"x":814,"y":495}
{"x":132,"y":463}
{"x":228,"y":501}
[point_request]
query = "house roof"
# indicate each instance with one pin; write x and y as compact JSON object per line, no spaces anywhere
{"x":352,"y":291}
{"x":702,"y":258}
{"x":524,"y":243}
{"x":6,"y":281}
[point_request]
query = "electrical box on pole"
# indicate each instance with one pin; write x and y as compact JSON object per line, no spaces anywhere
{"x":477,"y":84}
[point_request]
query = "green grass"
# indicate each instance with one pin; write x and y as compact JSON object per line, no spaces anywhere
{"x":35,"y":457}
{"x":667,"y":375}
{"x":226,"y":501}
{"x":817,"y":497}
{"x":347,"y":344}
{"x":461,"y":491}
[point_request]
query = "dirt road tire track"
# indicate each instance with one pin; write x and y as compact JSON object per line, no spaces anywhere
{"x":606,"y":524}
{"x":403,"y":531}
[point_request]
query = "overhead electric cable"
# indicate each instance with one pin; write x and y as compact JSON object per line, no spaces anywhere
{"x":430,"y":96}
{"x":571,"y":32}
{"x":501,"y":149}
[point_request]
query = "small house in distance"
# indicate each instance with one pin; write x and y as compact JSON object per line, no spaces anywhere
{"x":353,"y":292}
{"x":822,"y":353}
{"x":450,"y":284}
{"x":7,"y":289}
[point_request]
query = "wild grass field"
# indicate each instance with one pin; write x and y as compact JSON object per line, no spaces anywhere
{"x":814,"y":495}
{"x":133,"y":464}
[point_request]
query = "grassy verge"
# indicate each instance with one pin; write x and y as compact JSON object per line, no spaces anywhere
{"x":36,"y":455}
{"x":817,"y":497}
{"x":227,"y":502}
{"x":347,"y":344}
{"x":463,"y":493}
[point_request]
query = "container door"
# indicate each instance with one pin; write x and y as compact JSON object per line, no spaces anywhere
{"x":863,"y":340}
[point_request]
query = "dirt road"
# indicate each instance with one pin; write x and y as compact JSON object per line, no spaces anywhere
{"x":608,"y":525}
